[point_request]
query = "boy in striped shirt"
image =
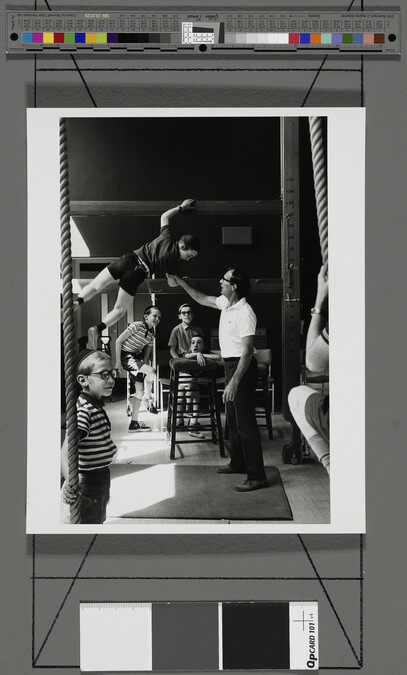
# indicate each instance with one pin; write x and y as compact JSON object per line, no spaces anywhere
{"x":133,"y":349}
{"x":96,"y":449}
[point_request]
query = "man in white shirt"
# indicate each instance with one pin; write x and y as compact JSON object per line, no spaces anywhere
{"x":237,"y":328}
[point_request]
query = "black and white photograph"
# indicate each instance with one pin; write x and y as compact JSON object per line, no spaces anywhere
{"x":193,"y":276}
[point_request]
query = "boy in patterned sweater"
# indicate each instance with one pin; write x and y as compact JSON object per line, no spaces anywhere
{"x":133,"y":348}
{"x":96,"y":449}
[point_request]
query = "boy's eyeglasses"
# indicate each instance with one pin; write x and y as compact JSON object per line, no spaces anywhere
{"x":105,"y":374}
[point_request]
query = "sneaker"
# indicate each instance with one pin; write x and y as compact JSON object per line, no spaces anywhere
{"x":150,"y":407}
{"x":93,"y":338}
{"x":195,"y":433}
{"x":134,"y":427}
{"x":196,"y":425}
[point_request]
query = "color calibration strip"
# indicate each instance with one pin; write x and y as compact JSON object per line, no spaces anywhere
{"x":192,"y":636}
{"x":200,"y":32}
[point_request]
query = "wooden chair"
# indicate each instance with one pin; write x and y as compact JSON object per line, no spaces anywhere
{"x":209,"y":407}
{"x":265,"y":384}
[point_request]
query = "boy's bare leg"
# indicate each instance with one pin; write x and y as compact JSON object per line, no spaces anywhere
{"x":123,"y":301}
{"x":148,"y":388}
{"x":194,"y":424}
{"x":135,"y":425}
{"x":297,"y":399}
{"x":181,"y":405}
{"x":96,"y":285}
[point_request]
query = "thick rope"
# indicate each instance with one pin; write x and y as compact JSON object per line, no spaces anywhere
{"x":320,"y":184}
{"x":68,"y":323}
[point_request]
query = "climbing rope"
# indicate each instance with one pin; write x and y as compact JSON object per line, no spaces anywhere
{"x":320,"y":184}
{"x":68,"y":322}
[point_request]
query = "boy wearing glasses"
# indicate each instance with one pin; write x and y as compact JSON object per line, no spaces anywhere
{"x":96,"y":449}
{"x":180,"y":340}
{"x":181,"y":336}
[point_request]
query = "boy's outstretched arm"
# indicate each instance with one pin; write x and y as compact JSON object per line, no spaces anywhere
{"x":198,"y":296}
{"x":317,"y":349}
{"x":187,"y":204}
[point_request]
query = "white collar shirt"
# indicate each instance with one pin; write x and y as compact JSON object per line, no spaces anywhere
{"x":236,"y":322}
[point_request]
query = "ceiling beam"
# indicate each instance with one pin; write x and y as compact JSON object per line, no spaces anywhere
{"x":156,"y":208}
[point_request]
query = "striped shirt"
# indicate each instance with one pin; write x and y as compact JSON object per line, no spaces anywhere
{"x":141,"y":336}
{"x":95,"y":449}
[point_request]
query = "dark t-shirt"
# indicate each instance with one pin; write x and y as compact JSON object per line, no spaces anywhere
{"x":161,"y":253}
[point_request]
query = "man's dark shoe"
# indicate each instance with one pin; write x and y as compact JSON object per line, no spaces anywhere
{"x":250,"y":485}
{"x":228,"y":469}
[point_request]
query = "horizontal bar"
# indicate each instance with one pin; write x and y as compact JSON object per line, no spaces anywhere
{"x":209,"y":286}
{"x":156,"y":208}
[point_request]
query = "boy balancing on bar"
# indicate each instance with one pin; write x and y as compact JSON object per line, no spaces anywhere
{"x":95,"y":446}
{"x":133,"y":268}
{"x":133,"y":349}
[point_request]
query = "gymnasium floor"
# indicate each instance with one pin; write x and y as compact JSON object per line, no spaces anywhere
{"x":306,"y":484}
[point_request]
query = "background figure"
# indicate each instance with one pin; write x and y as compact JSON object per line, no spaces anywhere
{"x":133,"y":348}
{"x":309,"y":408}
{"x":130,"y":270}
{"x":181,"y":335}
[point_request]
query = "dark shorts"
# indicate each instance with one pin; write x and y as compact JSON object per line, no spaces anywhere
{"x":129,"y":272}
{"x":129,"y":363}
{"x":317,"y":413}
{"x":94,"y":493}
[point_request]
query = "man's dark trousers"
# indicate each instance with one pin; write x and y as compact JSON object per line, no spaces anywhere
{"x":245,"y":449}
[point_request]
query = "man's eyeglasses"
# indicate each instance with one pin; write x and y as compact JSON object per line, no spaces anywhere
{"x":187,"y":312}
{"x":228,"y":280}
{"x":105,"y":374}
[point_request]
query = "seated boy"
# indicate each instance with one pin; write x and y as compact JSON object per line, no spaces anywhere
{"x":96,"y":449}
{"x":189,"y":383}
{"x":180,"y":338}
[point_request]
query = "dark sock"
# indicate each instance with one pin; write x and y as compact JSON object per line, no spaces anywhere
{"x":101,"y":326}
{"x":79,"y":300}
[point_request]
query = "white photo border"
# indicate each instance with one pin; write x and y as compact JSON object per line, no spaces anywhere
{"x":346,"y":214}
